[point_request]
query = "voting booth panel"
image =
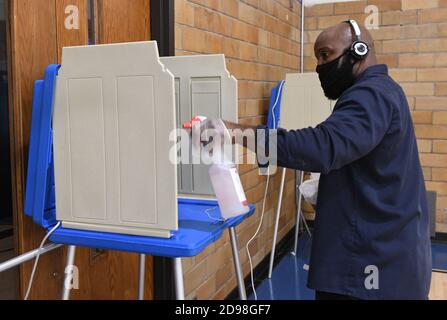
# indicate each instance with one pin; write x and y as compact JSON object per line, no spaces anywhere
{"x":114,"y":110}
{"x":203,"y":86}
{"x":303,"y":102}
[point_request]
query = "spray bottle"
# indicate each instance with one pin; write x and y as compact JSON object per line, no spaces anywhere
{"x":225,"y":180}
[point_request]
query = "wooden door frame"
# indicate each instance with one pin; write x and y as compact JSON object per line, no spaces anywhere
{"x":162,"y":24}
{"x":163,"y":31}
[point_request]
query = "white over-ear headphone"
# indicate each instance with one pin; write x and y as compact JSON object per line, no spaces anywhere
{"x":359,"y":49}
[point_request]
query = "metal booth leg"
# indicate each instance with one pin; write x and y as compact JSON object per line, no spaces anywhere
{"x":237,"y":265}
{"x":17,"y":261}
{"x":299,"y":213}
{"x":275,"y":231}
{"x":178,"y":273}
{"x":141,"y":276}
{"x":70,"y":262}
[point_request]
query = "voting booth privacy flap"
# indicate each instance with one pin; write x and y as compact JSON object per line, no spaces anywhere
{"x":203,"y":86}
{"x":114,"y":110}
{"x":303,"y":102}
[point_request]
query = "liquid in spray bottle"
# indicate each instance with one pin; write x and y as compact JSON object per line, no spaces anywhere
{"x":226,"y":182}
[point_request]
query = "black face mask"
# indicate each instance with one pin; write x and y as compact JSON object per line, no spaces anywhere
{"x":336,"y":76}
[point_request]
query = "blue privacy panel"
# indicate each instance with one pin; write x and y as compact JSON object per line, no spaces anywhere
{"x":275,"y":106}
{"x":196,"y":231}
{"x":40,"y":198}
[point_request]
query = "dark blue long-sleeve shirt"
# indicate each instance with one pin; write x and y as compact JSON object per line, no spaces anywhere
{"x":372,"y":217}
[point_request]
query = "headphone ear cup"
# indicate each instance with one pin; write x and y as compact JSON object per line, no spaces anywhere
{"x":359,"y":50}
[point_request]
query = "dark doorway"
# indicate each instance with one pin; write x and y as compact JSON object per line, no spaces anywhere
{"x":8,"y":289}
{"x":5,"y":164}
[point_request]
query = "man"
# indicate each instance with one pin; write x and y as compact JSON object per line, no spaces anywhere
{"x":371,"y":238}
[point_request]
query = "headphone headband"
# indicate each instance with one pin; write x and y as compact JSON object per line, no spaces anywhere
{"x":356,"y":28}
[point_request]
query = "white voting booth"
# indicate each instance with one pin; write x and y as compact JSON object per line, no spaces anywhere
{"x":116,"y":108}
{"x":303,"y":105}
{"x":203,"y":86}
{"x":303,"y":102}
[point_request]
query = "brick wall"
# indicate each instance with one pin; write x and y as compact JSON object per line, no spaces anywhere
{"x":260,"y":39}
{"x":412,"y":41}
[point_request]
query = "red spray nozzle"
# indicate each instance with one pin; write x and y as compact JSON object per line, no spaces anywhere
{"x":193,"y":122}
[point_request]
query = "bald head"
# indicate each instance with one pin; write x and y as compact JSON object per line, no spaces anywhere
{"x":333,"y":42}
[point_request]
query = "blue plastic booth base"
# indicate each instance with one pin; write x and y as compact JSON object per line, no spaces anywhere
{"x":196,"y":232}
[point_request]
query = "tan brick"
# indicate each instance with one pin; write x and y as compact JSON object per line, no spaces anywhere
{"x":433,"y":45}
{"x":193,"y":40}
{"x":248,"y":51}
{"x":319,"y":10}
{"x":207,"y":289}
{"x":440,"y":118}
{"x":425,"y":146}
{"x":419,"y":89}
{"x":222,"y":25}
{"x":432,"y":74}
{"x":187,"y":264}
{"x":378,"y":47}
{"x":441,"y":89}
{"x":399,"y":17}
{"x":416,"y":60}
{"x":433,"y":15}
{"x":311,"y":36}
{"x":350,"y":7}
{"x":329,"y":21}
{"x":184,"y":12}
{"x":439,"y":174}
{"x":178,"y":37}
{"x":203,"y":18}
{"x":244,"y":31}
{"x":431,"y":132}
{"x":231,"y":7}
{"x":251,"y":15}
{"x":386,"y":33}
{"x":434,"y":160}
{"x":403,"y":75}
{"x":391,"y":60}
{"x":440,"y":146}
{"x":386,"y":5}
{"x":310,"y":23}
{"x":419,"y":4}
{"x":427,"y":173}
{"x":195,"y":277}
{"x":211,"y":4}
{"x":213,"y":43}
{"x":400,"y":46}
{"x":419,"y":31}
{"x":422,"y":117}
{"x":439,"y":187}
{"x":231,"y":48}
{"x":310,"y":64}
{"x":442,"y":29}
{"x":441,"y":60}
{"x":431,"y":103}
{"x":411,"y":102}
